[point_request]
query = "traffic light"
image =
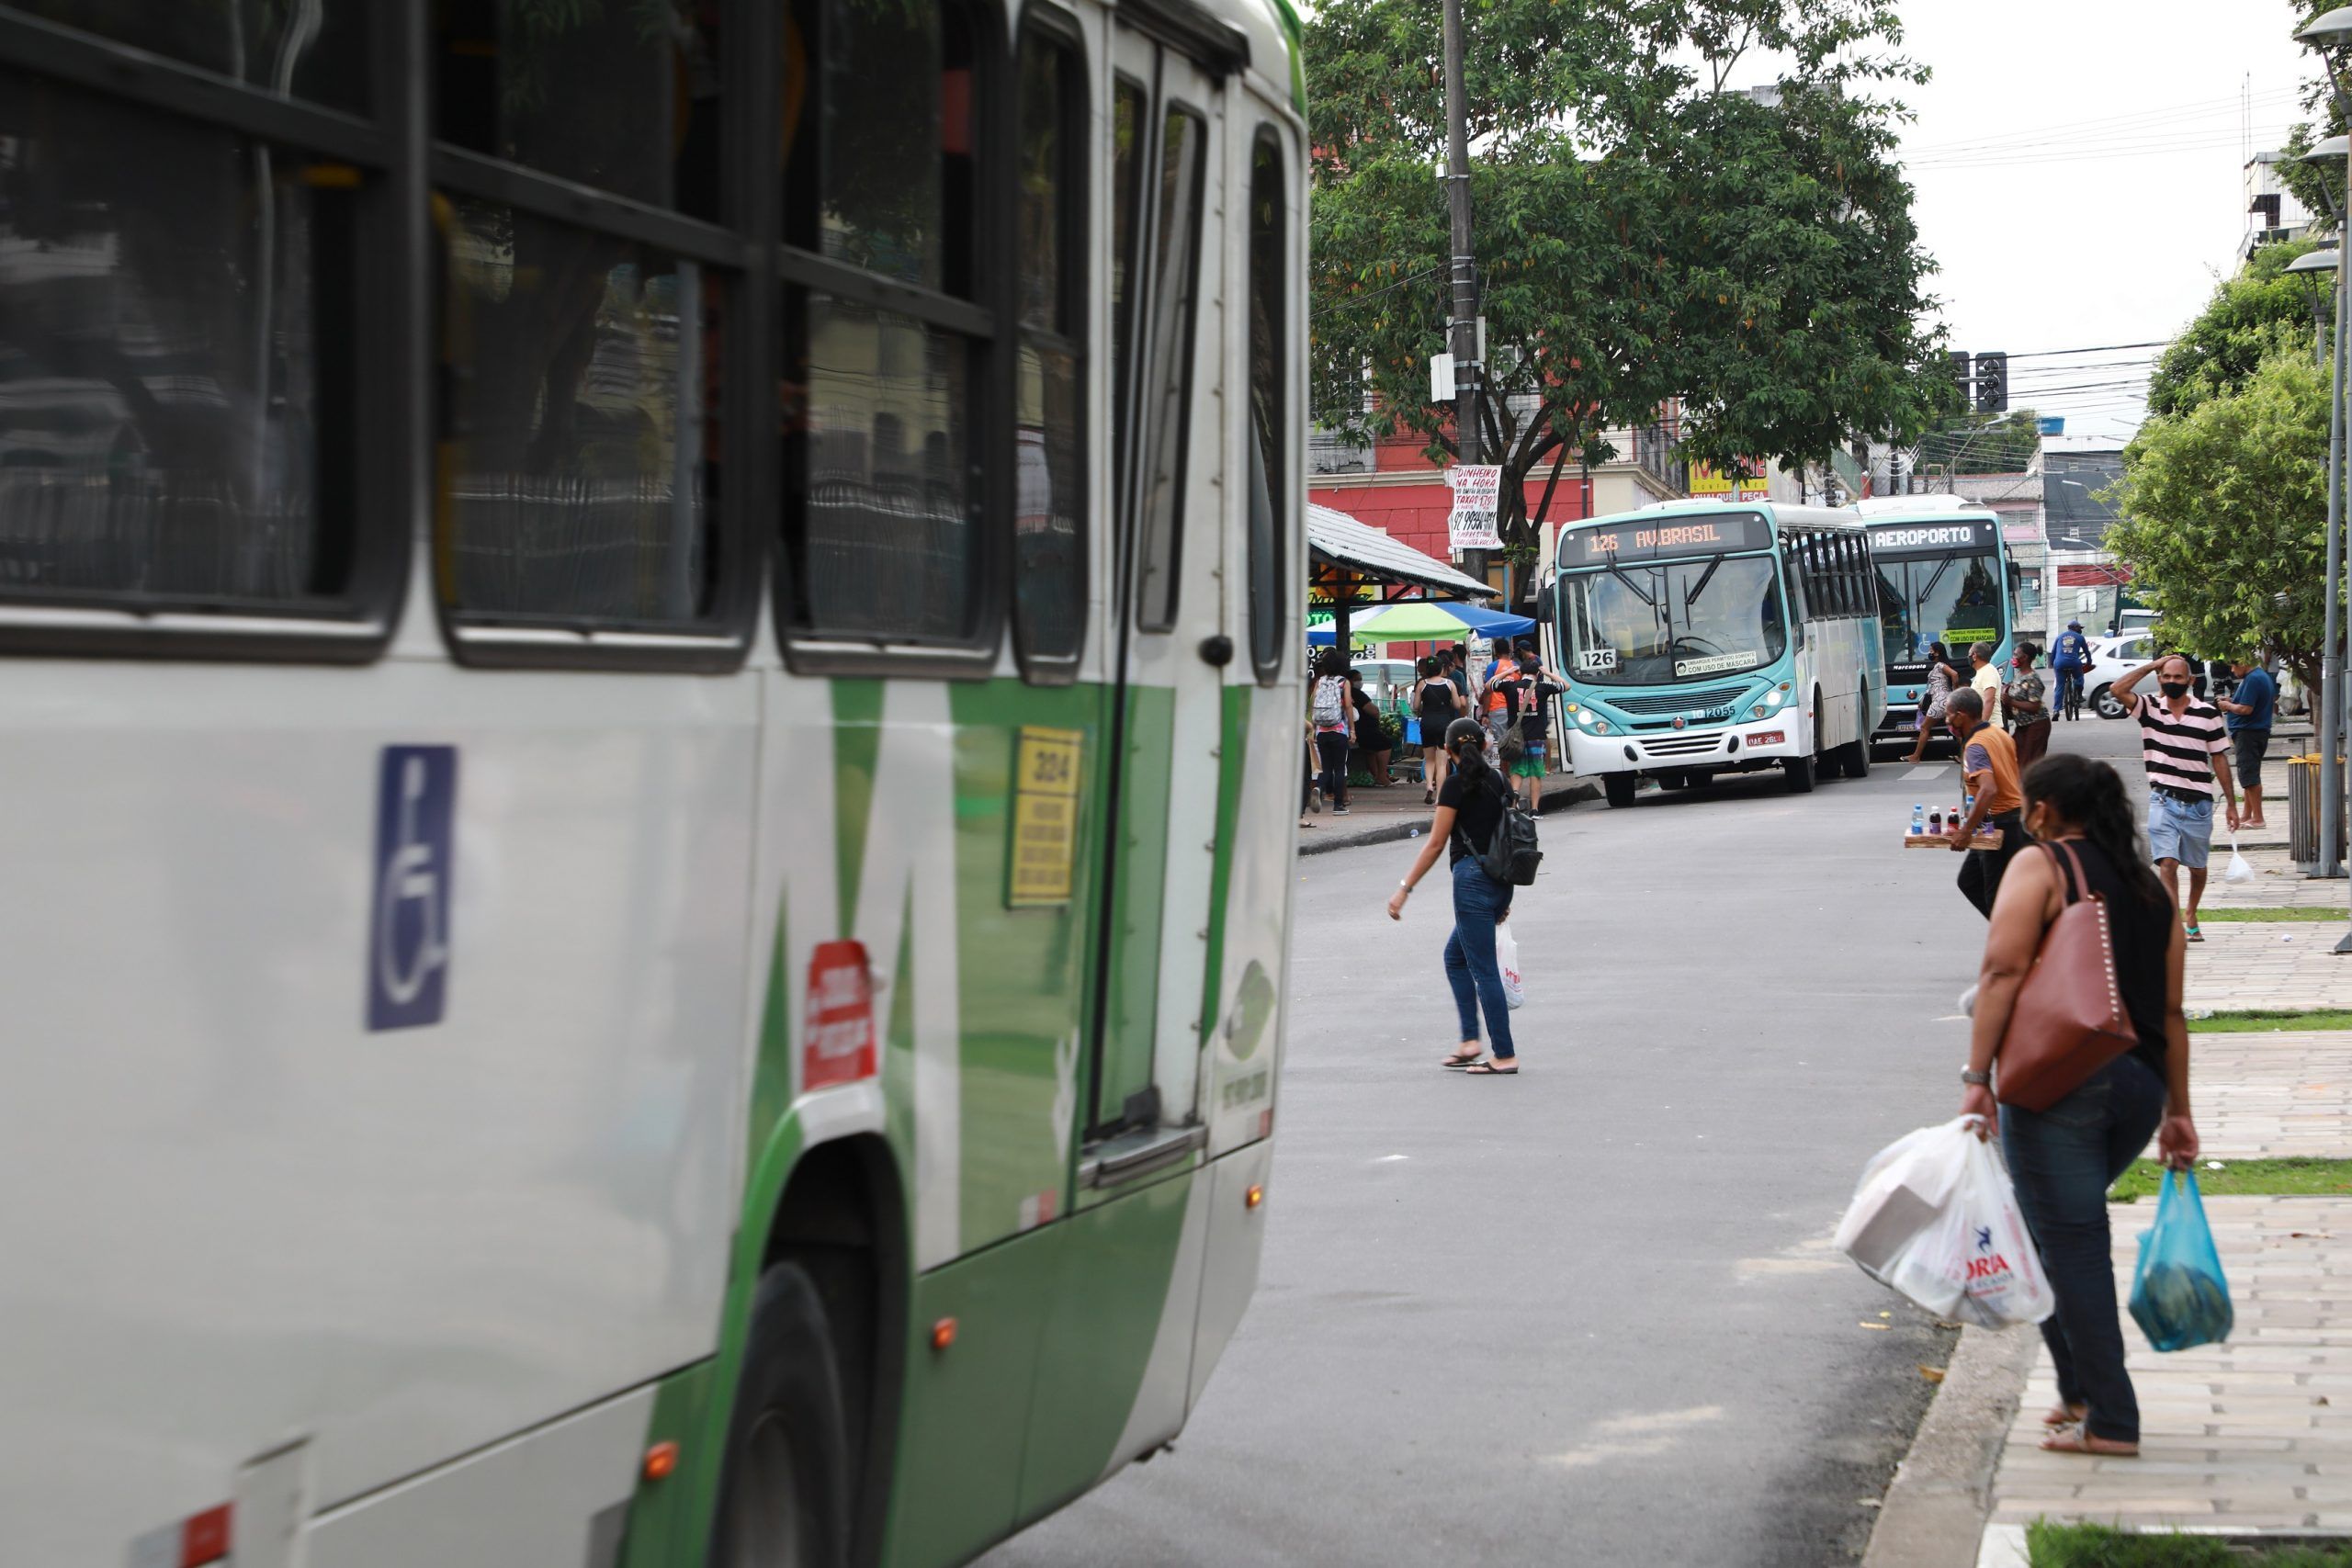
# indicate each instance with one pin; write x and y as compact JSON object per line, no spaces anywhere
{"x":1992,"y":383}
{"x":1958,"y":359}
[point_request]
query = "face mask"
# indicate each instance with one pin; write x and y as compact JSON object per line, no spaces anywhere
{"x":2174,"y":688}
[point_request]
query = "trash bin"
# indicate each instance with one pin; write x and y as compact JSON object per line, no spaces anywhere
{"x":2303,"y":812}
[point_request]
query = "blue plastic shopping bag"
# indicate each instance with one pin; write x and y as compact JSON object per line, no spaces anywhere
{"x":2179,"y":1297}
{"x":1413,"y":730}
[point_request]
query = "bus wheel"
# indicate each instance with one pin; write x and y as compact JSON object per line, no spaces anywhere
{"x":785,"y":1496}
{"x":1798,"y":771}
{"x":1619,"y":787}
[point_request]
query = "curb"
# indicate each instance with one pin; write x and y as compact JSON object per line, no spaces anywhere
{"x":1934,"y":1512}
{"x":1559,"y":799}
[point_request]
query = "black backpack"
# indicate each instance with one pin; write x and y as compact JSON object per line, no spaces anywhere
{"x":1511,"y":856}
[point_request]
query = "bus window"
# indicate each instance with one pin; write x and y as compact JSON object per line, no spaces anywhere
{"x":318,"y":53}
{"x":582,"y":472}
{"x":1049,"y":555}
{"x":1167,"y":401}
{"x":1269,"y":409}
{"x":506,"y":87}
{"x":1128,"y":111}
{"x":883,"y":541}
{"x":178,"y":326}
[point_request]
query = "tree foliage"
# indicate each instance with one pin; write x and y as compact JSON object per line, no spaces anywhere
{"x":2260,"y":313}
{"x":1644,"y":236}
{"x":2223,"y":512}
{"x":2004,"y":444}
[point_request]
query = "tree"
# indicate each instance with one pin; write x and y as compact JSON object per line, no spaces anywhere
{"x":2002,"y":445}
{"x":2259,"y":312}
{"x":2222,"y":512}
{"x":1644,"y":236}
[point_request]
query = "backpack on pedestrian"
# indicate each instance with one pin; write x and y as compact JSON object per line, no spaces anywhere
{"x":1331,"y":703}
{"x":1512,"y":855}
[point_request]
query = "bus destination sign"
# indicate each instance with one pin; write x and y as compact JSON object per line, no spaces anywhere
{"x":1664,"y":538}
{"x":1933,"y":538}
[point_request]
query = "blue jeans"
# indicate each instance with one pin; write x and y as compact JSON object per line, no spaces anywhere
{"x":2062,"y":1160}
{"x":1470,"y":967}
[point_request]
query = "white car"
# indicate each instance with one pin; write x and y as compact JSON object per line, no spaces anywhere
{"x":2114,"y":658}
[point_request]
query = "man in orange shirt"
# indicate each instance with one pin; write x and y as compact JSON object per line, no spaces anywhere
{"x":1503,"y":701}
{"x":1988,"y":760}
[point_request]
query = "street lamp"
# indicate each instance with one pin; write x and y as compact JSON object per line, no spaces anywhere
{"x":2328,"y":35}
{"x":2307,"y":269}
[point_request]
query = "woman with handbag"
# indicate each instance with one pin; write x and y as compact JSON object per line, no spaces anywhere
{"x":2078,"y":1026}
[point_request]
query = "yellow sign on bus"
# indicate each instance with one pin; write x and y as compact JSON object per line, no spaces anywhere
{"x":1044,"y":818}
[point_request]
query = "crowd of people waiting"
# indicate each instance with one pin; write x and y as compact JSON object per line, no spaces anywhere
{"x":1509,"y":700}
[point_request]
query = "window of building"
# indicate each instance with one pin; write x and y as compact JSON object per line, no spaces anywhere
{"x":1049,"y":522}
{"x":1270,"y":412}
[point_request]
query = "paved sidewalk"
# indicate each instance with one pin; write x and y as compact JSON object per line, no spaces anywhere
{"x":2282,"y":965}
{"x":2273,"y":1095}
{"x":2252,"y":1435}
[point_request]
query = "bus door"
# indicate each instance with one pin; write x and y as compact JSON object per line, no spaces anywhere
{"x":1171,"y":651}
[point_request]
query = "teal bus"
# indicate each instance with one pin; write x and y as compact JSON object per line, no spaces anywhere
{"x":1944,"y":575}
{"x":1705,"y":637}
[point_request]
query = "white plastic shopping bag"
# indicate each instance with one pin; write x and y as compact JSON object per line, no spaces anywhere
{"x":2240,"y":867}
{"x":1936,"y":1218}
{"x":1507,"y":959}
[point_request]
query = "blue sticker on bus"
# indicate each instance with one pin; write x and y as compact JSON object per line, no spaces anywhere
{"x":408,"y":937}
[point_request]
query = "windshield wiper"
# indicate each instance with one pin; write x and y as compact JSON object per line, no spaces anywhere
{"x":1704,"y":578}
{"x":1613,"y":569}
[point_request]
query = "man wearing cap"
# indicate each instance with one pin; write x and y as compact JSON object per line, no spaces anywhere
{"x":2070,"y":655}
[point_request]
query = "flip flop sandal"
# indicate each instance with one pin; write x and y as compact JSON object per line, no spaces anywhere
{"x":1489,"y":1070}
{"x":2065,"y":1416}
{"x":2075,"y":1440}
{"x":1461,"y":1059}
{"x":2194,"y":934}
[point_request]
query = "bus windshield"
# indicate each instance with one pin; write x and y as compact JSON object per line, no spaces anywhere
{"x":1952,"y":598}
{"x":1655,"y":624}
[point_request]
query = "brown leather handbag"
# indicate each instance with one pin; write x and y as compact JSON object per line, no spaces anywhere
{"x":2069,"y":1020}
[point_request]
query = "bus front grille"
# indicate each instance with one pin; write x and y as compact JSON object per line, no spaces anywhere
{"x":1678,"y":702}
{"x":1681,"y":745}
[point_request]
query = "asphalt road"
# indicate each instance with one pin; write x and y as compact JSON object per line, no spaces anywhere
{"x":1589,"y":1317}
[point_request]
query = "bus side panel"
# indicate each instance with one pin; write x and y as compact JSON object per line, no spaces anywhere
{"x":961,"y":1435}
{"x":1118,"y":1344}
{"x":1252,"y":921}
{"x":554,"y":1498}
{"x":407,"y":1242}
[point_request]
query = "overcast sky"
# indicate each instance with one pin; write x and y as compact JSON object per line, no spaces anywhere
{"x":2078,"y":165}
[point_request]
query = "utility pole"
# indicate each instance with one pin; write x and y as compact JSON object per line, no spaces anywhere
{"x":1464,"y":342}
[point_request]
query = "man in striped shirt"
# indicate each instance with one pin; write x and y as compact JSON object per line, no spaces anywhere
{"x":2180,"y":736}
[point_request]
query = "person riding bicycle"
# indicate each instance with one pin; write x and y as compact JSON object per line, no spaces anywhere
{"x":2070,"y":659}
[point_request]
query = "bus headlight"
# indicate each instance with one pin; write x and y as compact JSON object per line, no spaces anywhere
{"x":1770,"y":703}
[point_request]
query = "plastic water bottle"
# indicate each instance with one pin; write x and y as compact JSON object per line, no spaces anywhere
{"x":1919,"y":821}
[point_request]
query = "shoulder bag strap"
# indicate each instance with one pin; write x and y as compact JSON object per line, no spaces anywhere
{"x":2070,"y":872}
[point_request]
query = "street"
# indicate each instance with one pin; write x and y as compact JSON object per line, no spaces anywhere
{"x":1589,"y":1317}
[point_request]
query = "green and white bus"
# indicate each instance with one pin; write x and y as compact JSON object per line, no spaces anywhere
{"x":1944,"y":575}
{"x":648,"y":718}
{"x":1705,"y":637}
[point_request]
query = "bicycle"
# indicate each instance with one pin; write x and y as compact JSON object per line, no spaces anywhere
{"x":2070,"y":692}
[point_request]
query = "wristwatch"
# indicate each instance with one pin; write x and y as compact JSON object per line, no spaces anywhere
{"x":1982,"y":1080}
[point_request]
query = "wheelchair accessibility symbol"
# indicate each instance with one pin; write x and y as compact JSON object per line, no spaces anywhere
{"x":408,"y":939}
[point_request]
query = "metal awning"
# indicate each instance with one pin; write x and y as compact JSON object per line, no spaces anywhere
{"x":1337,"y":539}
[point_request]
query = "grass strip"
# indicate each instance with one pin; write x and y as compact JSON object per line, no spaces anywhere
{"x":2295,"y":1177}
{"x":2240,"y":914}
{"x":2256,"y":1021}
{"x":2052,"y":1545}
